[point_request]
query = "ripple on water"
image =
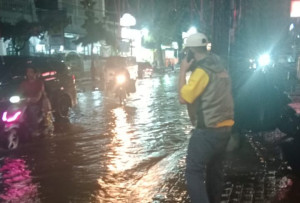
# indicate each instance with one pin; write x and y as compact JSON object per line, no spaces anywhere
{"x":113,"y":153}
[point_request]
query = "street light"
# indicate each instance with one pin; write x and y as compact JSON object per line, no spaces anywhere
{"x":192,"y":30}
{"x":145,"y":32}
{"x":292,"y":26}
{"x":127,"y":20}
{"x":264,"y":60}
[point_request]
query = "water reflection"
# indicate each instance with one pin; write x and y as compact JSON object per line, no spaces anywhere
{"x":97,"y":98}
{"x":110,"y":153}
{"x":130,"y":161}
{"x":167,"y":80}
{"x":16,"y":181}
{"x":142,"y":150}
{"x":122,"y":158}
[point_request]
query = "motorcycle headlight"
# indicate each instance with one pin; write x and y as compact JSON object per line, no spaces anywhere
{"x":14,"y":99}
{"x":121,"y":79}
{"x":264,"y":60}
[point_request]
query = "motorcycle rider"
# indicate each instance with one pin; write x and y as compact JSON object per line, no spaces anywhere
{"x":34,"y":90}
{"x":119,"y":71}
{"x":125,"y":72}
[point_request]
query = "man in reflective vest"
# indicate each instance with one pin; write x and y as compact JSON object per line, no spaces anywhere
{"x":208,"y":96}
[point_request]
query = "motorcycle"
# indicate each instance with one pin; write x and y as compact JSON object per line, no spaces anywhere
{"x":120,"y":88}
{"x":16,"y":125}
{"x":262,"y":104}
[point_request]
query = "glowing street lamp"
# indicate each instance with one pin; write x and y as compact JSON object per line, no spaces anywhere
{"x":264,"y":60}
{"x":292,"y":26}
{"x":192,"y":30}
{"x":127,"y":20}
{"x":145,"y":32}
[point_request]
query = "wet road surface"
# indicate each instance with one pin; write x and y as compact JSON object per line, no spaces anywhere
{"x":108,"y":152}
{"x":133,"y":153}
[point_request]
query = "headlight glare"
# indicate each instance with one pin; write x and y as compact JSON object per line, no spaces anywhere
{"x":264,"y":60}
{"x":14,"y":99}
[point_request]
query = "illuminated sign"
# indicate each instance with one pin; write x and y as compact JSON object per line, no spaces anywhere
{"x":295,"y":9}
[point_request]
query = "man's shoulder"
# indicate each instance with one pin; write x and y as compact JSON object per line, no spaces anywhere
{"x":199,"y":73}
{"x":199,"y":70}
{"x":212,"y":64}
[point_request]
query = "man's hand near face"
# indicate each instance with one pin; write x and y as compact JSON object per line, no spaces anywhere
{"x":184,"y":67}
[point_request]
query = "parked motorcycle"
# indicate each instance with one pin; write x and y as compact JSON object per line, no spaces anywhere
{"x":262,"y":105}
{"x":16,"y":125}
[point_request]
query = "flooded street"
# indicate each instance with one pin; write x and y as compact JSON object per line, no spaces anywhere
{"x":236,"y":64}
{"x":108,"y":152}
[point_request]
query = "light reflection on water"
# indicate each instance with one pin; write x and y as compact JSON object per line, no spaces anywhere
{"x":114,"y":186}
{"x":113,"y":153}
{"x":16,"y":182}
{"x":141,"y":151}
{"x":123,"y":159}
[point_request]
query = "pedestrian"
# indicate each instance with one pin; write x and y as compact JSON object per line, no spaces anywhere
{"x":208,"y":91}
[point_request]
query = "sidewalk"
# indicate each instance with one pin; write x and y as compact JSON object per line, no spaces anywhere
{"x":253,"y":173}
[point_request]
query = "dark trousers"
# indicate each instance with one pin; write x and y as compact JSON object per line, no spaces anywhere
{"x":33,"y":116}
{"x":204,"y":167}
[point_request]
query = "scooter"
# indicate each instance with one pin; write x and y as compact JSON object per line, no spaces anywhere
{"x":120,"y":88}
{"x":262,"y":104}
{"x":15,"y":125}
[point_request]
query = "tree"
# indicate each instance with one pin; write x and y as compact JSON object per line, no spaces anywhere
{"x":261,"y":27}
{"x":53,"y":21}
{"x":167,"y":20}
{"x":95,"y":30}
{"x":165,"y":24}
{"x":20,"y":33}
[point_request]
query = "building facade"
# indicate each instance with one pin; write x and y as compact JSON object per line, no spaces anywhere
{"x":13,"y":11}
{"x":61,"y":38}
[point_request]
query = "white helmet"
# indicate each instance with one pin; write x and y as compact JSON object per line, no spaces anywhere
{"x":196,"y":40}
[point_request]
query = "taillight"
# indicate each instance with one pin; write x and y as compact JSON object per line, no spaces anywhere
{"x":49,"y":79}
{"x":12,"y":118}
{"x":50,"y":73}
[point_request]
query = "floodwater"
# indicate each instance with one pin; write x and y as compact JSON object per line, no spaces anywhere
{"x":108,"y":152}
